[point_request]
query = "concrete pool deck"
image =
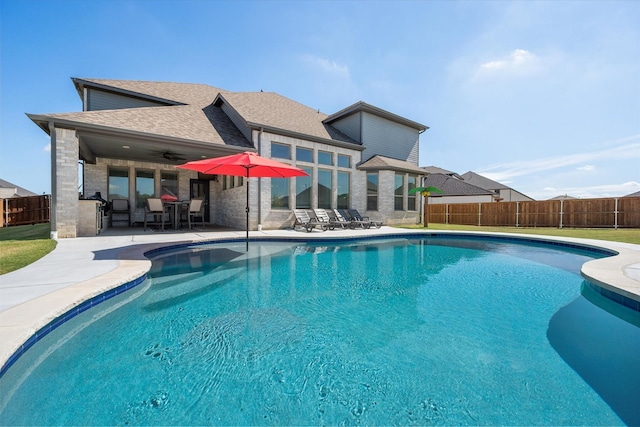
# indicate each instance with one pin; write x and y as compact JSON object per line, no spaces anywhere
{"x":82,"y":268}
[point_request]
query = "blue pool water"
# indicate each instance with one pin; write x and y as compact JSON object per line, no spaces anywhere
{"x":402,"y":331}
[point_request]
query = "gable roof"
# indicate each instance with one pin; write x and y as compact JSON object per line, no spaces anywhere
{"x":361,"y":106}
{"x":379,"y":162}
{"x":166,"y":92}
{"x":483,"y":182}
{"x":453,"y":187}
{"x":435,"y":169}
{"x":278,"y":113}
{"x":184,"y":122}
{"x":8,"y":189}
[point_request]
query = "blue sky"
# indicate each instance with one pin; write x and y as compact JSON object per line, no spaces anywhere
{"x":541,"y":96}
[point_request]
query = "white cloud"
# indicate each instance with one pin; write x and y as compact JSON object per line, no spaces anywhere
{"x":517,"y":58}
{"x":588,"y":192}
{"x":326,"y":65}
{"x":47,"y":148}
{"x":586,"y":168}
{"x":630,"y":148}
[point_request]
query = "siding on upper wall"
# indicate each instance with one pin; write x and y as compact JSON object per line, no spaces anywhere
{"x":350,"y":126}
{"x":101,"y":100}
{"x":237,"y":120}
{"x":389,"y":139}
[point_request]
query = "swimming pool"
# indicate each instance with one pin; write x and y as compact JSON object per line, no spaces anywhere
{"x":389,"y":331}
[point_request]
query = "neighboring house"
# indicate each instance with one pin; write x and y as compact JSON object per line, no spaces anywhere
{"x":130,"y":135}
{"x":456,"y":190}
{"x":8,"y":190}
{"x":563,"y":197}
{"x":636,"y":194}
{"x":503,"y":192}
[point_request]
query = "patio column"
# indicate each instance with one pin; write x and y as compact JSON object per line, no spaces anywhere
{"x":64,"y":182}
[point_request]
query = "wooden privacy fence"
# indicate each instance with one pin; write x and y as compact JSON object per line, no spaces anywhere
{"x":24,"y":210}
{"x":618,"y":212}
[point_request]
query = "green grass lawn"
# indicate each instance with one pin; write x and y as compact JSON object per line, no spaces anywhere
{"x":24,"y":244}
{"x":626,"y":235}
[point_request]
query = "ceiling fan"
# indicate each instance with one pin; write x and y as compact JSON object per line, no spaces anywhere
{"x":170,"y":156}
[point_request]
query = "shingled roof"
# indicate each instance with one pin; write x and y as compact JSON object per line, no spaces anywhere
{"x":169,"y":92}
{"x":189,"y":111}
{"x":378,"y":162}
{"x":453,"y":187}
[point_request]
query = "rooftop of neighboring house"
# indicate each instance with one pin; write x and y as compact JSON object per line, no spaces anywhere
{"x":451,"y":186}
{"x":8,"y":190}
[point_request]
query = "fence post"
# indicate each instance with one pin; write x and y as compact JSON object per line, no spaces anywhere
{"x":615,"y":214}
{"x":446,"y":213}
{"x":479,"y":214}
{"x":517,"y":214}
{"x":561,"y":212}
{"x":6,"y":212}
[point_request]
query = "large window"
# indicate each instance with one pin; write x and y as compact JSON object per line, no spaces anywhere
{"x":325,"y":158}
{"x":144,"y":187}
{"x":304,"y":154}
{"x":325,"y":186}
{"x":280,"y":151}
{"x":372,"y":191}
{"x":303,"y":190}
{"x":344,"y":184}
{"x":411,"y":198}
{"x":280,"y":193}
{"x":399,"y":192}
{"x":169,"y":184}
{"x":118,"y":183}
{"x":344,"y":161}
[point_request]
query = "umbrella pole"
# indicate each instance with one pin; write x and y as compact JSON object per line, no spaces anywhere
{"x":247,"y":238}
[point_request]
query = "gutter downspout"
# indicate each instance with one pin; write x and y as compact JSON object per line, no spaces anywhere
{"x":260,"y":183}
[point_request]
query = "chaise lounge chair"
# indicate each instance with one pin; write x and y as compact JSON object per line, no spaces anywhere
{"x":355,"y":223}
{"x":304,"y":220}
{"x":356,"y":215}
{"x":337,"y":220}
{"x":323,"y":216}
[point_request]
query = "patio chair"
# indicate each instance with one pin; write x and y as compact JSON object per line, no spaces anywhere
{"x":154,"y":207}
{"x":322,"y":216}
{"x":355,"y":223}
{"x":355,"y":214}
{"x":337,"y":220}
{"x":120,"y":209}
{"x":192,"y":210}
{"x":304,"y":220}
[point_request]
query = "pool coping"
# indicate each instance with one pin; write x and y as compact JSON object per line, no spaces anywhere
{"x":21,"y":327}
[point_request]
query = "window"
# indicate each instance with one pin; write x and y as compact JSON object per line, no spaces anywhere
{"x":325,"y":184}
{"x":280,"y":151}
{"x":144,"y":187}
{"x":372,"y":191}
{"x":344,"y":161}
{"x":399,"y":192}
{"x":411,"y":198}
{"x":344,"y":184}
{"x":280,"y":193}
{"x":118,"y":184}
{"x":303,"y":190}
{"x":325,"y":158}
{"x":304,"y":154}
{"x":169,"y":184}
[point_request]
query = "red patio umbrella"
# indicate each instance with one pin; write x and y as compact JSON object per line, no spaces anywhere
{"x":247,"y":164}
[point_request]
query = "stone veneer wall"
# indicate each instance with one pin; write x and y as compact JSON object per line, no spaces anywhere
{"x":64,"y":182}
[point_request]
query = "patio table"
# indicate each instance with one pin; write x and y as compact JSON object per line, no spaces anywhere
{"x":175,"y":211}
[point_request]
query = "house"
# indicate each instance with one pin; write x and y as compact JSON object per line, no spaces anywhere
{"x":130,"y":135}
{"x":504,"y":193}
{"x":455,"y":190}
{"x":8,"y":190}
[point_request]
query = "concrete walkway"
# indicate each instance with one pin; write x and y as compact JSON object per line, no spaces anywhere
{"x":82,"y":268}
